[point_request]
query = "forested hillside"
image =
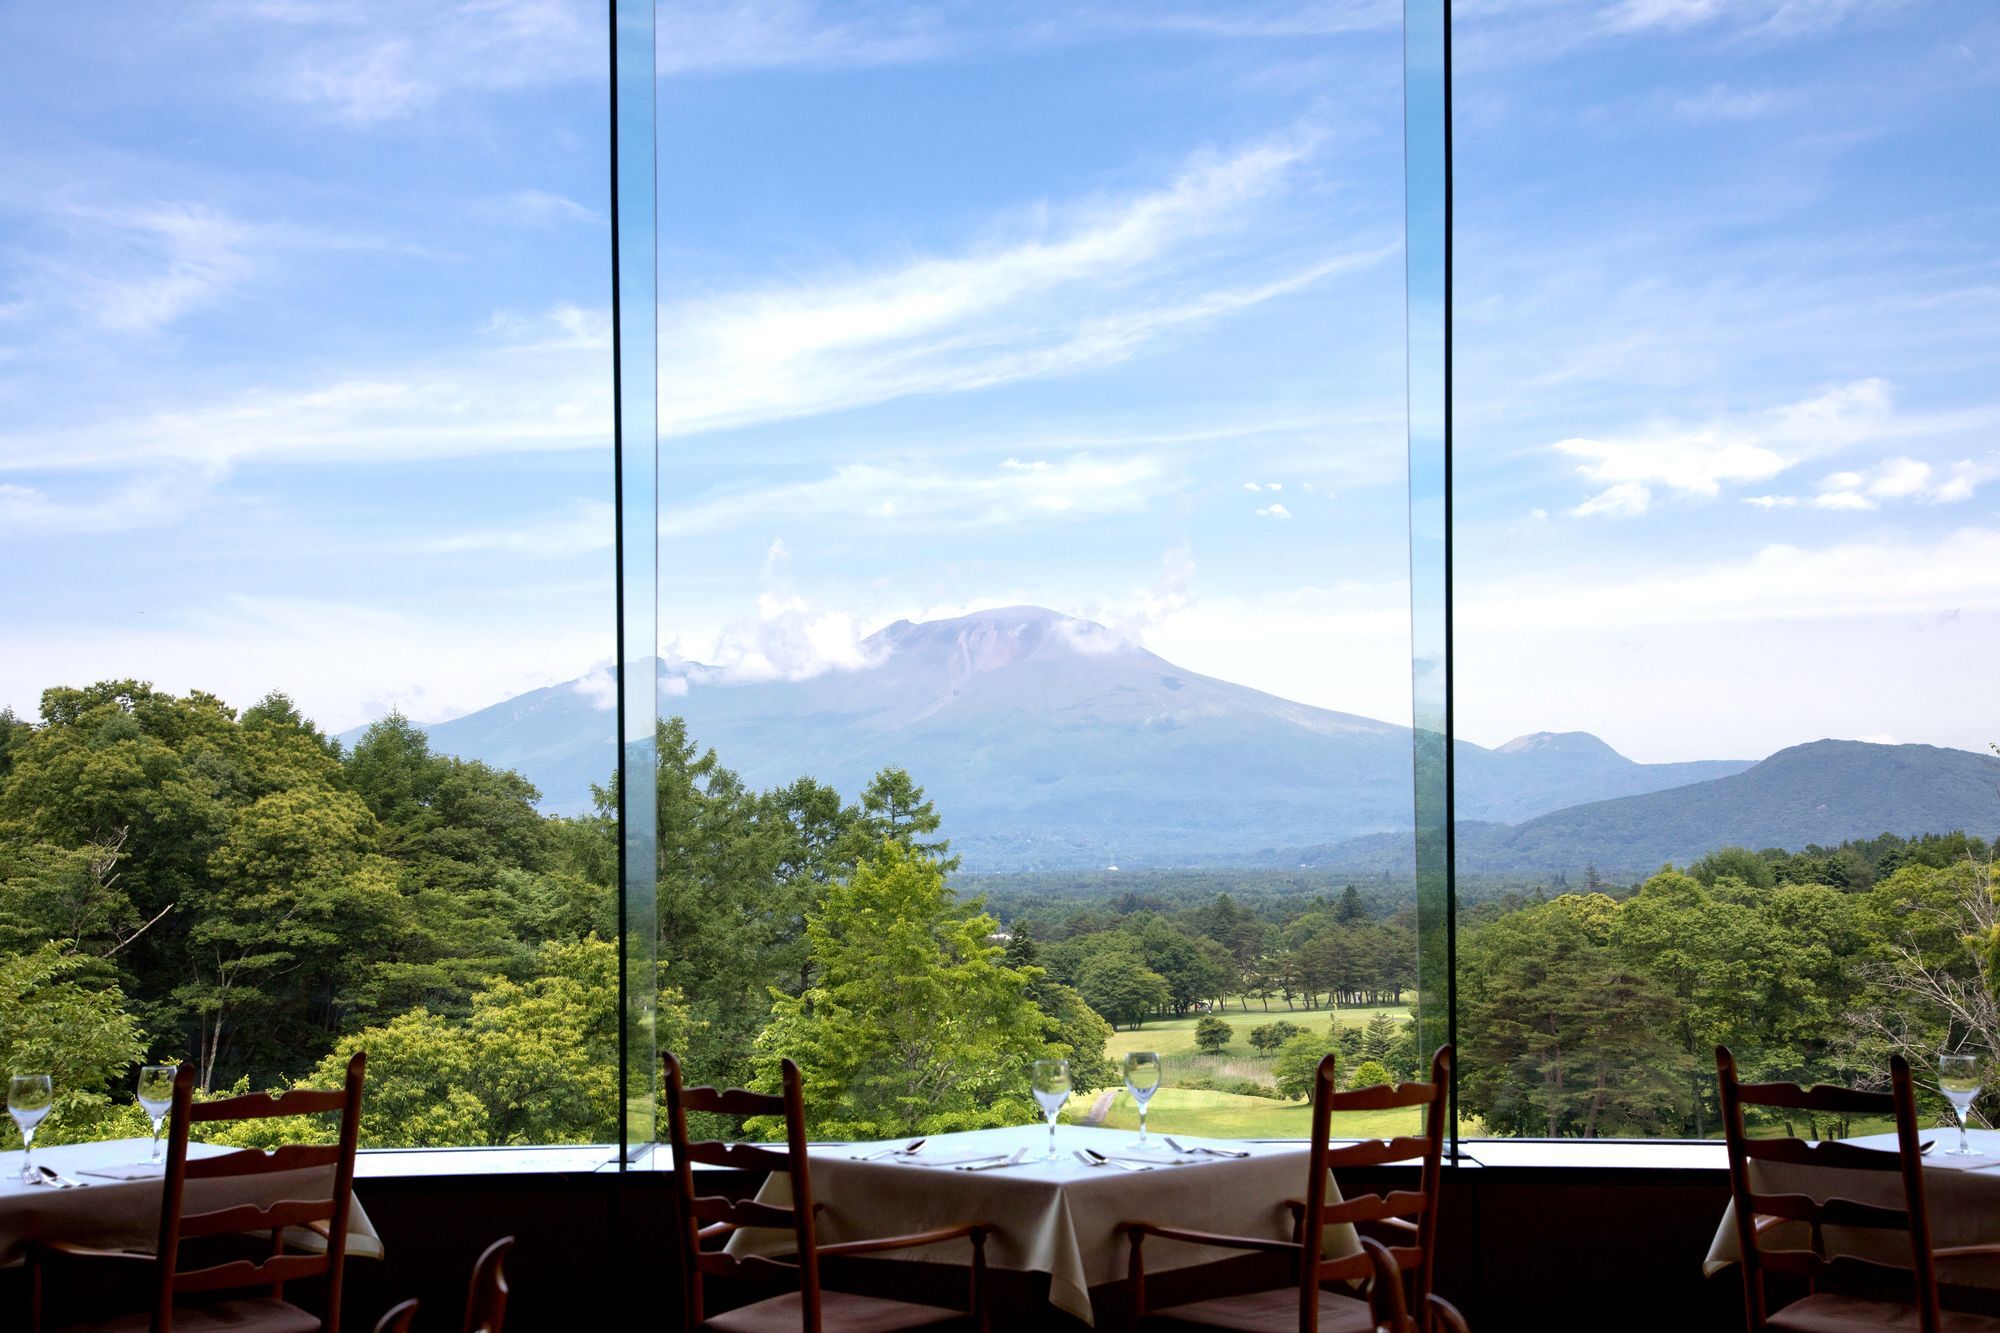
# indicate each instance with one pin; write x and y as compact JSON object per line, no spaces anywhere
{"x":179,"y":881}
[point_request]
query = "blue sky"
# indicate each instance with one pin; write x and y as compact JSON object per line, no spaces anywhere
{"x":304,"y":349}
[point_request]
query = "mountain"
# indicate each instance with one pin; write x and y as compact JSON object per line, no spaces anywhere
{"x":1822,"y":793}
{"x":1050,"y":742}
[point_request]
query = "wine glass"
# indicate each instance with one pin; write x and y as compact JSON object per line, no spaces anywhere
{"x":1142,"y":1080}
{"x":156,"y":1098}
{"x":29,"y":1097}
{"x":1958,"y":1079}
{"x":1051,"y":1091}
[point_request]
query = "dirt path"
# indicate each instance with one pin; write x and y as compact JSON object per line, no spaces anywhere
{"x":1101,"y":1107}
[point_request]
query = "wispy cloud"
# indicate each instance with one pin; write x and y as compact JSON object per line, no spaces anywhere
{"x":923,"y":494}
{"x":531,"y":208}
{"x":1090,"y":285}
{"x":1719,"y":103}
{"x":1699,"y":460}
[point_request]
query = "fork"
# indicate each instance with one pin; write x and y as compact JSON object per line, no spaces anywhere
{"x":912,"y":1147}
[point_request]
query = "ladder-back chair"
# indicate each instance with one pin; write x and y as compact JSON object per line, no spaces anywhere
{"x":326,"y":1214}
{"x":1758,"y":1212}
{"x":808,"y":1307}
{"x":1407,"y":1217}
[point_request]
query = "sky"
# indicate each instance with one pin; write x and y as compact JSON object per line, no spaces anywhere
{"x":304,"y":350}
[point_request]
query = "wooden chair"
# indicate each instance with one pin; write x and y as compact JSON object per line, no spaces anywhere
{"x":398,"y":1319}
{"x":1914,"y":1288}
{"x":809,"y":1307}
{"x":1387,"y":1288}
{"x":269,"y":1312}
{"x":1408,"y":1217}
{"x":486,"y":1301}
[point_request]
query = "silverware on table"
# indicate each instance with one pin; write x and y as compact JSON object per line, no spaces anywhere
{"x":1202,"y":1147}
{"x":1118,"y":1161}
{"x":1019,"y":1158}
{"x":909,"y":1149}
{"x":51,"y":1176}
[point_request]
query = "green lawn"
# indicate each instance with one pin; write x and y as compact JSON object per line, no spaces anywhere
{"x":1225,"y":1115}
{"x":1173,"y":1036}
{"x":1229,"y":1114}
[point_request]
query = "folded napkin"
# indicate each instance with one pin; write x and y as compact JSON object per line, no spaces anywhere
{"x":132,"y":1171}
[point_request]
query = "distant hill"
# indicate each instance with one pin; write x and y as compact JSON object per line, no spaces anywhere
{"x":1050,"y":742}
{"x":1822,"y":793}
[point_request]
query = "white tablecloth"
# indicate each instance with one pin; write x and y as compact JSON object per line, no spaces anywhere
{"x":125,"y":1214}
{"x":1059,"y":1218}
{"x":1961,"y":1194}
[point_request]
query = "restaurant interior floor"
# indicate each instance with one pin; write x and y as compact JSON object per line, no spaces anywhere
{"x":1569,"y":1247}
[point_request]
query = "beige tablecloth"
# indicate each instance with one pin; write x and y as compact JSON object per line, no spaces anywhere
{"x":1059,"y":1218}
{"x":1962,"y":1195}
{"x":125,"y":1214}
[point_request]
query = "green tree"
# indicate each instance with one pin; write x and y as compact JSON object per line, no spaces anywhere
{"x":1368,"y":1074}
{"x":1213,"y":1035}
{"x":80,"y":1035}
{"x":1116,"y":982}
{"x":1297,"y":1064}
{"x":914,"y":1024}
{"x":1268,"y":1037}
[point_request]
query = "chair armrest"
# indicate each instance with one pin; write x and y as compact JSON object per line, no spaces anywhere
{"x":871,"y":1246}
{"x":714,"y":1229}
{"x":1297,"y":1208}
{"x":1136,"y":1230}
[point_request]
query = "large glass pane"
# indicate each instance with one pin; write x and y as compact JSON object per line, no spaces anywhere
{"x":306,"y":516}
{"x":1727,"y":577}
{"x":1035,"y":558}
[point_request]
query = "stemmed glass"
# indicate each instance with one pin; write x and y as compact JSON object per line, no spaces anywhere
{"x":1142,"y":1080}
{"x":1958,"y":1079}
{"x":29,"y":1098}
{"x":1051,"y":1091}
{"x":156,"y":1098}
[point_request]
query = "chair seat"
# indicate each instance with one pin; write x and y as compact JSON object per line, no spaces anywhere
{"x":1828,"y":1312}
{"x":1263,"y":1312}
{"x":840,"y":1312}
{"x":261,"y":1315}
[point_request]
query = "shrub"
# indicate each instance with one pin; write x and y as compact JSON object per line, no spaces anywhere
{"x":1213,"y":1035}
{"x":1368,"y":1073}
{"x":1297,"y":1063}
{"x":1270,"y":1036}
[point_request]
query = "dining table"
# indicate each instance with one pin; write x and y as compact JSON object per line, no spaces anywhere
{"x":1961,"y":1196}
{"x":108,"y":1197}
{"x":1057,"y":1217}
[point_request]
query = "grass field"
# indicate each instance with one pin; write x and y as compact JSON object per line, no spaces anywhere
{"x":1184,"y":1110}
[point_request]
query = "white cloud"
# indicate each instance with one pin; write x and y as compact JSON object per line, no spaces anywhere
{"x":586,"y":527}
{"x":1720,"y":103}
{"x":1779,"y":582}
{"x":531,"y":208}
{"x":925,"y":493}
{"x":1066,"y":288}
{"x":1771,"y":501}
{"x":1626,"y":499}
{"x":1701,"y":460}
{"x":1274,"y":511}
{"x":786,"y":638}
{"x":374,"y":62}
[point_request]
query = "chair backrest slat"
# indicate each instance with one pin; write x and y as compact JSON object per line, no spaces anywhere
{"x":1415,"y":1262}
{"x":738,"y":1156}
{"x":255,"y":1217}
{"x":798,"y":1218}
{"x":332,"y":1207}
{"x":1829,"y":1153}
{"x":1816,"y":1213}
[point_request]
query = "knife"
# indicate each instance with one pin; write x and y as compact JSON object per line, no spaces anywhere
{"x":1202,"y":1147}
{"x":1117,"y":1161}
{"x":1018,"y":1159}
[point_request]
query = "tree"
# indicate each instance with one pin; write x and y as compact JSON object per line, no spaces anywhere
{"x":1297,"y":1064}
{"x":1213,"y":1035}
{"x":1117,"y":983}
{"x":1268,"y":1037}
{"x":913,"y":1024}
{"x":1351,"y":909}
{"x":893,"y":809}
{"x":1378,"y":1036}
{"x":80,"y":1035}
{"x":1368,"y":1074}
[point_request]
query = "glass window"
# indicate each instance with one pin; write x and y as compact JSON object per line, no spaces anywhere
{"x":1034,"y":560}
{"x":1725,"y":592}
{"x":305,"y":503}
